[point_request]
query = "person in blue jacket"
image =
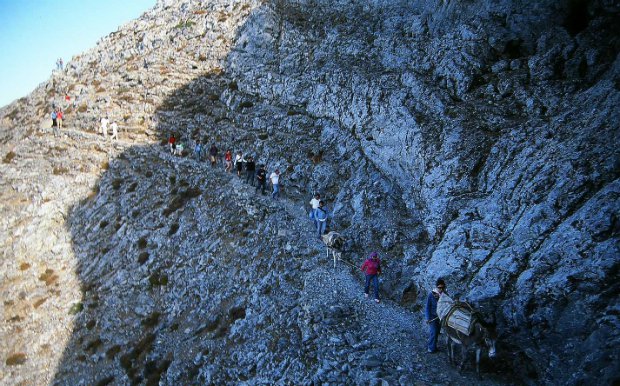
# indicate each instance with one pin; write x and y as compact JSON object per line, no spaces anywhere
{"x":198,"y":150}
{"x":321,"y":216}
{"x":432,"y":319}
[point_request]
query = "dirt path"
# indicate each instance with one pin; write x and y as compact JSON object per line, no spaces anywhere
{"x":386,"y":331}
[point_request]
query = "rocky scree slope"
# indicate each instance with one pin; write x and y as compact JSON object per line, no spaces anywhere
{"x":476,"y":141}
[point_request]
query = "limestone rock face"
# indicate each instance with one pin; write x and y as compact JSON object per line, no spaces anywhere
{"x":477,"y":141}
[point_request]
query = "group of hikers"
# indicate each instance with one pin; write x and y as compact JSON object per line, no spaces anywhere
{"x":103,"y":128}
{"x":57,"y":119}
{"x":256,"y":178}
{"x":318,"y":214}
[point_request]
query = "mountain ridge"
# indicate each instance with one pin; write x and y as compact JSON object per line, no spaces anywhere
{"x":456,"y":139}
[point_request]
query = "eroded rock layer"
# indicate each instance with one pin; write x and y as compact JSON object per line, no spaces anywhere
{"x":473,"y":140}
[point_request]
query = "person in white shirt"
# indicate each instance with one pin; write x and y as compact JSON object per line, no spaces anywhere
{"x":239,"y":161}
{"x":104,"y":127}
{"x":114,"y":128}
{"x":314,"y":203}
{"x":275,"y":181}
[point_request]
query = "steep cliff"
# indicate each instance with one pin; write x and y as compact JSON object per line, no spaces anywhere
{"x":473,"y":140}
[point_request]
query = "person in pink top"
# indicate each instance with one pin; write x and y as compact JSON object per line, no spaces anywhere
{"x":59,"y":118}
{"x":372,"y":269}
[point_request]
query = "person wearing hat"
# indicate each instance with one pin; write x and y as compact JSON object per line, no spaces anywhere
{"x":432,"y":319}
{"x":372,"y":269}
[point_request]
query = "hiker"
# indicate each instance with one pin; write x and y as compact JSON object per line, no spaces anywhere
{"x":250,"y":170}
{"x":54,"y":118}
{"x":372,"y":269}
{"x":179,"y":149}
{"x":275,"y":182}
{"x":320,"y":218}
{"x":104,"y":126}
{"x":314,"y":203}
{"x":172,"y":143}
{"x":213,"y":154}
{"x":261,"y":177}
{"x":228,"y":161}
{"x":239,"y":161}
{"x":432,"y":319}
{"x":59,"y":116}
{"x":198,"y":151}
{"x":114,"y":128}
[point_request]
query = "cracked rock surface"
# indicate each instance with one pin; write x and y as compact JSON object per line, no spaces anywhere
{"x":476,"y":141}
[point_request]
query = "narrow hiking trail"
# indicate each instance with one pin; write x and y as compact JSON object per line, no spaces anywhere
{"x":386,"y":338}
{"x":344,"y":330}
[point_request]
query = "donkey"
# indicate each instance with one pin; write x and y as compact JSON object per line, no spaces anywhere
{"x":482,"y":337}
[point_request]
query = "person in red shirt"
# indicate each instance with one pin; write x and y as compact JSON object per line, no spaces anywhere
{"x":372,"y":269}
{"x":228,"y":160}
{"x":59,"y":117}
{"x":172,"y":143}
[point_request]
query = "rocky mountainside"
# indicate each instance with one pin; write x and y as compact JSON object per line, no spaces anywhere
{"x":474,"y":140}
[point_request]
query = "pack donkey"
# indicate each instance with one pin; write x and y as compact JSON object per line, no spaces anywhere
{"x":465,"y":327}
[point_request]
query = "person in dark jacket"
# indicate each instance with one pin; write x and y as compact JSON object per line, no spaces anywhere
{"x":372,"y":269}
{"x":250,"y":170}
{"x":261,"y":177}
{"x":213,"y":154}
{"x":432,"y":319}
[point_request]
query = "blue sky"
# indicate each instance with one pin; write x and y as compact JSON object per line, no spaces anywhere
{"x":34,"y":33}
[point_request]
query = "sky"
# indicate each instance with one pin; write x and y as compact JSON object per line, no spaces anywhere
{"x":35,"y":33}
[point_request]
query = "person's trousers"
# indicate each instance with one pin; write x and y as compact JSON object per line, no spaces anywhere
{"x":320,"y":226}
{"x":434,"y":328}
{"x":374,"y":279}
{"x":276,"y":191}
{"x":261,"y":185}
{"x":249,"y":176}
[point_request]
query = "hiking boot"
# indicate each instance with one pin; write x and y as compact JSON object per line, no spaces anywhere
{"x":377,"y":300}
{"x":365,"y":295}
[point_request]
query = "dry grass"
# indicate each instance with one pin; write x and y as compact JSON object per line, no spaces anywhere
{"x":9,"y":157}
{"x":49,"y":277}
{"x":39,"y":302}
{"x":60,"y":170}
{"x":16,"y":359}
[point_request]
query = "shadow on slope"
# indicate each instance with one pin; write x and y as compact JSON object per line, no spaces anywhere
{"x":188,"y":275}
{"x":174,"y":254}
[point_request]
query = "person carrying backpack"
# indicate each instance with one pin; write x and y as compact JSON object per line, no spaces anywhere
{"x":372,"y":269}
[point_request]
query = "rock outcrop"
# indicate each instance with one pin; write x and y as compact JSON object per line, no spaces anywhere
{"x":477,"y":141}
